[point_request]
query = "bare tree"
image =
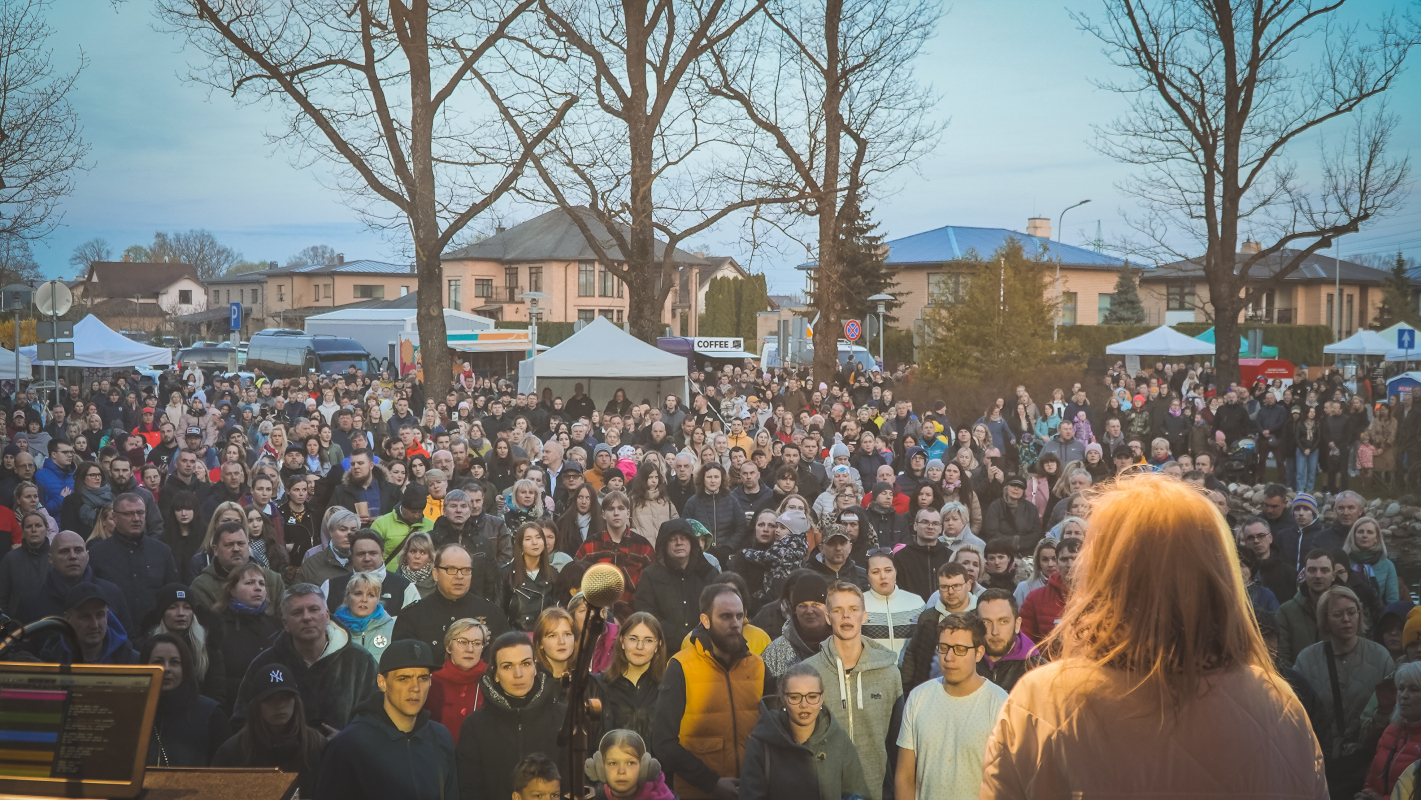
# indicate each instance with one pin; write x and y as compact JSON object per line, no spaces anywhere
{"x":828,"y":97}
{"x":40,"y":143}
{"x":84,"y":256}
{"x":375,"y":88}
{"x":17,"y":262}
{"x":1220,"y":94}
{"x":632,"y":166}
{"x":199,"y":248}
{"x":321,"y":254}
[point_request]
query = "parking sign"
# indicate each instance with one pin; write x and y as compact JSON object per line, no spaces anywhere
{"x":234,"y":315}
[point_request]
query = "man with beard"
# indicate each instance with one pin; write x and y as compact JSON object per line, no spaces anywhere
{"x":806,"y":628}
{"x":1232,"y":420}
{"x":1010,"y":653}
{"x":658,"y":440}
{"x":1274,"y":570}
{"x":710,"y":693}
{"x":1297,"y":617}
{"x":161,"y":454}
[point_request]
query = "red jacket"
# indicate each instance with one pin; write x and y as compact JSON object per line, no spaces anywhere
{"x":1400,"y":745}
{"x":1042,"y":609}
{"x":454,"y":694}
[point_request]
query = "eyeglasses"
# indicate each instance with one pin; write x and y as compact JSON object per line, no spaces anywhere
{"x":137,"y":512}
{"x":886,"y":552}
{"x":468,"y":644}
{"x":1346,"y":614}
{"x":458,"y":572}
{"x":804,"y":698}
{"x":639,"y":641}
{"x":958,"y":650}
{"x":1257,"y":537}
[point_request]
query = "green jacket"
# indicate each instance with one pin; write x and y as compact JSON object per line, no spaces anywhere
{"x":861,"y":701}
{"x":1297,"y":626}
{"x":396,"y":530}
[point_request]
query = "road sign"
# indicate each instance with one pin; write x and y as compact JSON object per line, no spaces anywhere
{"x":852,"y":330}
{"x":1405,"y":339}
{"x":53,"y":298}
{"x":54,"y":351}
{"x":234,"y":316}
{"x":46,"y":330}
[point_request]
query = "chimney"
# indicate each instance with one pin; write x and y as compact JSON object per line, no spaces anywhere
{"x":271,"y":265}
{"x":497,"y":229}
{"x":1039,"y":227}
{"x":340,"y":259}
{"x":1250,"y":247}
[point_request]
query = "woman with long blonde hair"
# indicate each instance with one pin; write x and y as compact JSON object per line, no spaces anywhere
{"x":1161,"y":682}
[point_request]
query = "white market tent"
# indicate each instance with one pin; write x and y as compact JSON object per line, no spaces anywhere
{"x":7,"y":365}
{"x":605,"y":358}
{"x":1162,"y":341}
{"x":98,"y":345}
{"x":1363,"y":343}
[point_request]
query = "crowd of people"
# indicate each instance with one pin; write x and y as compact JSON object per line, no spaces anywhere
{"x":830,"y":592}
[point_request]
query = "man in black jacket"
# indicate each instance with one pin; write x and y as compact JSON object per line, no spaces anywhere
{"x":1272,"y":566}
{"x":1270,"y":421}
{"x":1010,"y":653}
{"x":917,"y":563}
{"x":367,"y":555}
{"x":682,"y":485}
{"x":833,"y":560}
{"x":138,"y":565}
{"x":451,"y":600}
{"x":393,"y":749}
{"x":671,"y":587}
{"x":1232,"y":420}
{"x":334,"y":676}
{"x":1011,"y":517}
{"x":363,"y":484}
{"x":454,"y":527}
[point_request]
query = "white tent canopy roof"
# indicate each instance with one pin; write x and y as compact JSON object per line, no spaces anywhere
{"x":1363,"y":343}
{"x":605,"y":358}
{"x":7,"y":365}
{"x":98,"y":345}
{"x":1162,"y":341}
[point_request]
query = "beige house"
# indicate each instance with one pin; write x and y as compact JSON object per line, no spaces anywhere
{"x":294,"y":293}
{"x":1177,"y":292}
{"x":934,"y":267}
{"x":549,"y":254}
{"x":132,"y":296}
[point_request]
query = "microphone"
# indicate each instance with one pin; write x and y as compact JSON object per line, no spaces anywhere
{"x":602,"y":585}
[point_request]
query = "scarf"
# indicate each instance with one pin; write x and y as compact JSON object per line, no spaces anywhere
{"x":419,"y":577}
{"x":1368,"y":557}
{"x":951,"y":487}
{"x":91,"y":500}
{"x":354,"y":624}
{"x":242,"y":608}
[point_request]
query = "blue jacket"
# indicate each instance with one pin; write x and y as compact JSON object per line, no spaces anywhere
{"x":53,"y":480}
{"x":372,"y":758}
{"x":117,"y":649}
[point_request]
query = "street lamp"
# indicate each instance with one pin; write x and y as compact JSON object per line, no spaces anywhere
{"x":1060,"y":220}
{"x":533,"y":298}
{"x":882,"y":300}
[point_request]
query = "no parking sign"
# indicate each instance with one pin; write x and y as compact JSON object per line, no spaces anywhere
{"x":852,"y":330}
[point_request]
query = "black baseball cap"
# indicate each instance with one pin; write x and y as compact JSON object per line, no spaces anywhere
{"x":408,"y":653}
{"x":82,"y":593}
{"x":273,"y":678}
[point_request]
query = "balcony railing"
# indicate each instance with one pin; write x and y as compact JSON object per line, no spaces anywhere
{"x":1270,"y":316}
{"x":507,"y":294}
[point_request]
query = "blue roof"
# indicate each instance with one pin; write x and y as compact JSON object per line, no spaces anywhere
{"x":953,"y":242}
{"x":361,"y":267}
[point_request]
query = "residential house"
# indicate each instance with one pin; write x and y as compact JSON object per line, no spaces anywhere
{"x":247,"y":288}
{"x":1178,"y":292}
{"x":933,"y":267}
{"x":294,"y":293}
{"x":137,"y":296}
{"x":549,"y":254}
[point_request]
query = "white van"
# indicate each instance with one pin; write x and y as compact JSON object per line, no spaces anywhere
{"x":770,"y":357}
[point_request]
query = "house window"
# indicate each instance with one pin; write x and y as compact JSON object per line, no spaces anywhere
{"x":535,"y":279}
{"x":604,"y":286}
{"x":369,"y":292}
{"x":1068,"y":308}
{"x":619,"y":316}
{"x":1180,"y":297}
{"x":404,"y":290}
{"x":1348,"y":318}
{"x":586,"y":315}
{"x":254,"y":297}
{"x":947,"y":288}
{"x":456,"y":293}
{"x":608,"y":314}
{"x":586,"y":279}
{"x":317,"y":290}
{"x":483,"y":287}
{"x":216,"y":296}
{"x":1103,"y":302}
{"x":185,"y":297}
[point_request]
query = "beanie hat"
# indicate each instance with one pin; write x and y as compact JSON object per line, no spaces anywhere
{"x":1305,"y":499}
{"x":1412,"y":630}
{"x":810,"y":588}
{"x":795,"y":520}
{"x":882,"y":486}
{"x":839,"y":449}
{"x":936,"y":462}
{"x":601,"y":448}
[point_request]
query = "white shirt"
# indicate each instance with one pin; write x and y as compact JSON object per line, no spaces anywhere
{"x":948,"y":735}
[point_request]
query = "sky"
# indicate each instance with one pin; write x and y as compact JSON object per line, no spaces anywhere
{"x":1016,"y":78}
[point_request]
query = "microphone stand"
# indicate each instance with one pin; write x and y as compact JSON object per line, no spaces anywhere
{"x":574,"y":726}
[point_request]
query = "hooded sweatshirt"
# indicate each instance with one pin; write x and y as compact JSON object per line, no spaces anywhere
{"x":1008,"y":669}
{"x":776,"y":767}
{"x":861,"y":700}
{"x":372,"y":758}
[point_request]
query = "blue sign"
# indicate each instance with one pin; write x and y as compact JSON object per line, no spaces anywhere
{"x":234,"y":315}
{"x":1405,"y":339}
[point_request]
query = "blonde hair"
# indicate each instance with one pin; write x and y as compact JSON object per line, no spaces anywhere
{"x":1157,"y":593}
{"x":1324,"y":609}
{"x":1350,"y":545}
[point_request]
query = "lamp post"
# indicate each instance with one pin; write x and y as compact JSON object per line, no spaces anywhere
{"x":533,"y":298}
{"x":1060,"y":220}
{"x":882,"y":300}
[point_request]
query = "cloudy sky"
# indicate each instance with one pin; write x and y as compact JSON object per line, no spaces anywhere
{"x":1016,"y":80}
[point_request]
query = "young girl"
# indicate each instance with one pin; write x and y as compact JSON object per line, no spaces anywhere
{"x":618,"y":767}
{"x":1365,"y":455}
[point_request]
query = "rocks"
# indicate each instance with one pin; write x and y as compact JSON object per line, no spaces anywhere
{"x":1392,"y":510}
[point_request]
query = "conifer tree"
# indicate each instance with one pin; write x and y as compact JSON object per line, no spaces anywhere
{"x":1125,"y":305}
{"x":1398,"y":298}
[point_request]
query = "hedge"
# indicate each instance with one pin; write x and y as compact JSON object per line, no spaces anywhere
{"x":1300,"y":344}
{"x":549,"y":333}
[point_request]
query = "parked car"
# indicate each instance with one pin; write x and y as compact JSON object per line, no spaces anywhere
{"x":286,"y":352}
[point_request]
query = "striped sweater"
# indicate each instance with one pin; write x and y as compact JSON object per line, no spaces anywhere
{"x":891,"y":619}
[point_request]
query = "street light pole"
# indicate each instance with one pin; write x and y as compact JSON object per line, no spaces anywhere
{"x":1060,"y":220}
{"x":882,"y":300}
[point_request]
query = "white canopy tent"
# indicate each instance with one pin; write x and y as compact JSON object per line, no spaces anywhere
{"x":1162,"y":341}
{"x":7,"y":366}
{"x":98,"y":345}
{"x":604,"y":358}
{"x":1363,"y":343}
